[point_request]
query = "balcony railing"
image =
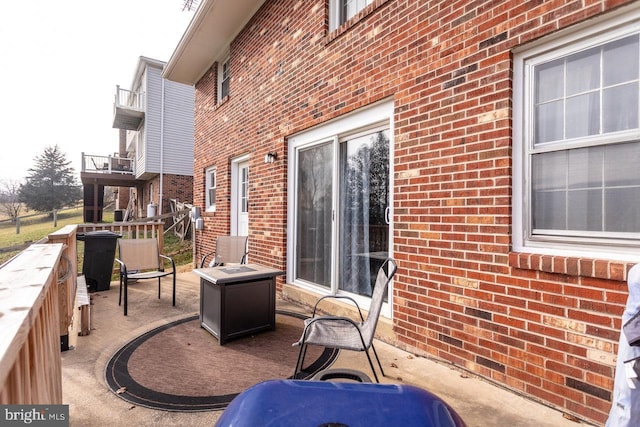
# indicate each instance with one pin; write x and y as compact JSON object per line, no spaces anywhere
{"x":128,"y":109}
{"x":129,"y":99}
{"x":107,"y":164}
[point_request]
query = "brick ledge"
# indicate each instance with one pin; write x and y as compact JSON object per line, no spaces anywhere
{"x":572,"y":266}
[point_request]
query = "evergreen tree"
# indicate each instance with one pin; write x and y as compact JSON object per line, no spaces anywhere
{"x":51,"y":183}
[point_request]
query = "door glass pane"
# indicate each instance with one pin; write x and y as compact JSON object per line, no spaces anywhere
{"x":364,"y":199}
{"x":313,"y":214}
{"x":244,"y":189}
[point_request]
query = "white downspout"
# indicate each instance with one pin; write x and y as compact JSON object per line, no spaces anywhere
{"x":161,"y":147}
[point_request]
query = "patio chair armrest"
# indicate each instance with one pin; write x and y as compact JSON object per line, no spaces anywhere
{"x":204,"y":258}
{"x":173,"y":264}
{"x":315,"y":307}
{"x":123,"y":266}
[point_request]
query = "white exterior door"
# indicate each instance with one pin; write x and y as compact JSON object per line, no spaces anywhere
{"x":240,"y":197}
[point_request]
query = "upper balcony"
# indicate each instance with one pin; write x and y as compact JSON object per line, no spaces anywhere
{"x":108,"y":170}
{"x":128,"y":109}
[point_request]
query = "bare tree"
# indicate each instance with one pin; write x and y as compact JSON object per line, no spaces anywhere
{"x":9,"y":200}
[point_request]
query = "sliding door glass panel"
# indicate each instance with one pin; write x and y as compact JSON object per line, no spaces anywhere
{"x":364,"y":201}
{"x":313,"y":215}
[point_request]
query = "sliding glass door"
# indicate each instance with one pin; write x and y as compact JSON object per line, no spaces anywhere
{"x":314,"y":193}
{"x":363,"y":237}
{"x":339,"y":203}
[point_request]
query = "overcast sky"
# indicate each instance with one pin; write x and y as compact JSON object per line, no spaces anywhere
{"x":60,"y":62}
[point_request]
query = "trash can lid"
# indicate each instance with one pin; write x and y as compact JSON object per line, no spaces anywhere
{"x":101,"y":234}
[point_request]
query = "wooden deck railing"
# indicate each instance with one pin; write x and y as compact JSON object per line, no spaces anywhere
{"x":67,"y":282}
{"x":37,"y":305}
{"x":30,"y":363}
{"x":130,"y":230}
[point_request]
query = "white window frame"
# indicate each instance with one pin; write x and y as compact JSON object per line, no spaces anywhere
{"x":211,"y":183}
{"x":616,"y":25}
{"x":140,"y":142}
{"x":366,"y":118}
{"x":223,"y":65}
{"x":336,"y":11}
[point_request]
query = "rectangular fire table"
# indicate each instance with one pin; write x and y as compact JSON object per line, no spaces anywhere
{"x":237,"y":300}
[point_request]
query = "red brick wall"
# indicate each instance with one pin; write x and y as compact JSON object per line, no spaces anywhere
{"x":544,"y":326}
{"x":179,"y":187}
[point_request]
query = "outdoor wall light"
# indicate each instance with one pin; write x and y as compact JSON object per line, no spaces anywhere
{"x":270,"y":157}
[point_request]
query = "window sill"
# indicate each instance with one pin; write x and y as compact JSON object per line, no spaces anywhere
{"x":222,"y":102}
{"x":351,"y":22}
{"x":571,"y":266}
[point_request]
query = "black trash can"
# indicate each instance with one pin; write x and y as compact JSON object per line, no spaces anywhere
{"x":99,"y":256}
{"x":118,"y":215}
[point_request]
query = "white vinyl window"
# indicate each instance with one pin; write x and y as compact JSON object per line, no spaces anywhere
{"x":210,"y":190}
{"x":577,"y":143}
{"x":342,"y":10}
{"x":224,"y":76}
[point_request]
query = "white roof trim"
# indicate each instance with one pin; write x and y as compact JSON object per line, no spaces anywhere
{"x":215,"y":24}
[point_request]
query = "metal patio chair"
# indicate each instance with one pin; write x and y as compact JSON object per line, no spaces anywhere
{"x":344,"y":333}
{"x":141,"y":259}
{"x":229,"y":250}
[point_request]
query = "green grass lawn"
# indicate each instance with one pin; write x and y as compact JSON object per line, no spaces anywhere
{"x":35,"y":228}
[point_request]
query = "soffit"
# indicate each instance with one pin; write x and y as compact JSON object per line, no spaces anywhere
{"x":211,"y":30}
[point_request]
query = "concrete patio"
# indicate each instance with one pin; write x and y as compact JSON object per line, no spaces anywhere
{"x":91,"y":403}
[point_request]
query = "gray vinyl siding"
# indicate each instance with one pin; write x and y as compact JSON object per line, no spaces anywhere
{"x":152,"y":119}
{"x":178,"y":126}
